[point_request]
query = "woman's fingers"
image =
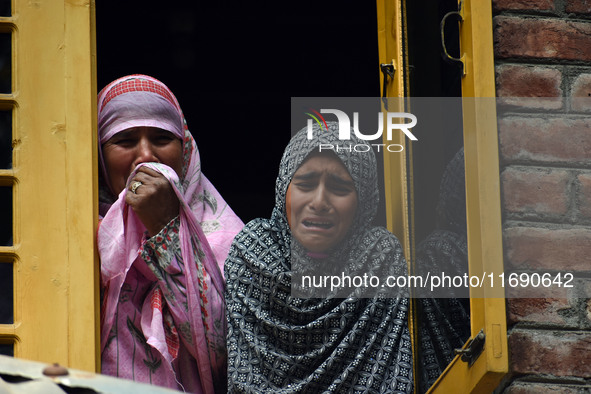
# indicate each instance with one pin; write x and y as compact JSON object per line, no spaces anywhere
{"x":145,"y":176}
{"x":148,"y":171}
{"x":154,"y":200}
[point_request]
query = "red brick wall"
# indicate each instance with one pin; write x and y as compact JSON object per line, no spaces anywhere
{"x":543,"y":49}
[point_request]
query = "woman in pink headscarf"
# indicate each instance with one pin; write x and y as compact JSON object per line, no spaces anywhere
{"x":164,"y":236}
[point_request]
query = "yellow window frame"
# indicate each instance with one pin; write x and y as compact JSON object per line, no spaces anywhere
{"x":54,"y":183}
{"x":485,"y":252}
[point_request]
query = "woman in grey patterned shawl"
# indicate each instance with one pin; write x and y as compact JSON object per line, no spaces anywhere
{"x":284,"y":344}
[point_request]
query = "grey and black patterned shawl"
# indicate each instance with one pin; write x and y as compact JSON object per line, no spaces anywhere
{"x":444,"y":323}
{"x":284,"y":344}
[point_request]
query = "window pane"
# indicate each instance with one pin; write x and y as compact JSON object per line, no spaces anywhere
{"x":5,"y":63}
{"x":7,"y":349}
{"x":5,"y":8}
{"x":5,"y":140}
{"x":5,"y":216}
{"x":6,"y":294}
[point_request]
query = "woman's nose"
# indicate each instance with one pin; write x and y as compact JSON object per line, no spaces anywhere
{"x":319,"y":200}
{"x":145,"y":152}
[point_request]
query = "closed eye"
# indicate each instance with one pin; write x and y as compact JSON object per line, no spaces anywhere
{"x":305,"y":186}
{"x":340,"y":186}
{"x":341,"y":190}
{"x":125,"y":142}
{"x":163,"y":138}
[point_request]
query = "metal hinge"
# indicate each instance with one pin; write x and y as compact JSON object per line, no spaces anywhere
{"x":473,"y":349}
{"x":388,"y":70}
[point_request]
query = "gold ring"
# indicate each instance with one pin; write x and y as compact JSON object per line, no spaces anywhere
{"x":135,"y":185}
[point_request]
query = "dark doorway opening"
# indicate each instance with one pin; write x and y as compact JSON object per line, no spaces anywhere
{"x":234,"y":66}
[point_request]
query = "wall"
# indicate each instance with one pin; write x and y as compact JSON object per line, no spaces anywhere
{"x":543,"y":49}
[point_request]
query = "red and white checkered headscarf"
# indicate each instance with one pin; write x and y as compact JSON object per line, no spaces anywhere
{"x":137,"y":100}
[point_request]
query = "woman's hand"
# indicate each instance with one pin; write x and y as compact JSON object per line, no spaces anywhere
{"x":154,"y":201}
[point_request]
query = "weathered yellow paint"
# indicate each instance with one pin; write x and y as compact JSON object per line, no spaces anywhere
{"x":390,"y":44}
{"x":54,"y":179}
{"x":483,"y":207}
{"x":399,"y":199}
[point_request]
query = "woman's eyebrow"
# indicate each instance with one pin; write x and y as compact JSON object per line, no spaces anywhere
{"x":161,"y":131}
{"x":124,"y":133}
{"x":307,"y":175}
{"x":340,"y":180}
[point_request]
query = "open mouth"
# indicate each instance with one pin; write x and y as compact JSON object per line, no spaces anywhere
{"x":317,"y":224}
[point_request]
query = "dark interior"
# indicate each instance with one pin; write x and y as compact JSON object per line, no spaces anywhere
{"x":234,"y":67}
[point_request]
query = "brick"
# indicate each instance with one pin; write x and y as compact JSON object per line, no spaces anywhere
{"x":584,"y":197}
{"x":537,"y":310}
{"x":516,"y":5}
{"x":578,"y":6}
{"x":581,"y":93}
{"x":538,"y":387}
{"x":515,"y":83}
{"x":554,"y":140}
{"x":553,"y":308}
{"x":535,"y":191}
{"x":563,"y":250}
{"x":586,"y":295}
{"x":552,"y":353}
{"x":541,"y":38}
